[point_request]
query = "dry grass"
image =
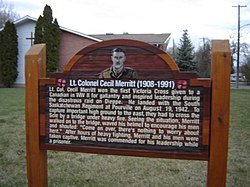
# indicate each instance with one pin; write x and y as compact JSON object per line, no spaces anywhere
{"x":78,"y":169}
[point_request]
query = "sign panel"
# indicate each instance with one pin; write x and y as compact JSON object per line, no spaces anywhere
{"x":128,"y":98}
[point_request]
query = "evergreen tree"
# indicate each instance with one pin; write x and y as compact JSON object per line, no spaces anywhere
{"x":9,"y":52}
{"x":56,"y":44}
{"x":203,"y":59}
{"x":39,"y":30}
{"x":48,"y":32}
{"x":185,"y":54}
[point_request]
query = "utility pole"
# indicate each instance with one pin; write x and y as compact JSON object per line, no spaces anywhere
{"x":238,"y":50}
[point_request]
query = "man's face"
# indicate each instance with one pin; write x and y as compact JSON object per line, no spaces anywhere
{"x":118,"y":59}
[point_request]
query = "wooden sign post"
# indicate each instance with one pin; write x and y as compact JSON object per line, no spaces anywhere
{"x":220,"y":107}
{"x":35,"y":68}
{"x":149,"y":109}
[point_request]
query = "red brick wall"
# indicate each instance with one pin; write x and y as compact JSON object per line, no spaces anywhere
{"x":69,"y":46}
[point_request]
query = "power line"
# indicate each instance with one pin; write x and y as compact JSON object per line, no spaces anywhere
{"x":238,"y":51}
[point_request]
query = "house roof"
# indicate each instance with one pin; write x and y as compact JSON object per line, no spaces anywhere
{"x":148,"y":38}
{"x":28,"y":18}
{"x":80,"y":34}
{"x":24,"y":19}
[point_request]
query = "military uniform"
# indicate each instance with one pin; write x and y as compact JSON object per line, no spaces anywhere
{"x":127,"y":73}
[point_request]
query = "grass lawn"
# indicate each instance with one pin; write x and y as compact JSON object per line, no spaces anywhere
{"x":79,"y":169}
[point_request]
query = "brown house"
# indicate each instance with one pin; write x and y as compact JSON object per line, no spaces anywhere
{"x":71,"y":43}
{"x":158,"y":40}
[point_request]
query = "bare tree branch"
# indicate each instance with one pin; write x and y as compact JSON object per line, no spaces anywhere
{"x":7,"y":13}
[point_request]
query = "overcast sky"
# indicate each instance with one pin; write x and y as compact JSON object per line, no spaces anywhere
{"x":212,"y":19}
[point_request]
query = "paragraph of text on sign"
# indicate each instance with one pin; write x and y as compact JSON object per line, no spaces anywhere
{"x":155,"y":113}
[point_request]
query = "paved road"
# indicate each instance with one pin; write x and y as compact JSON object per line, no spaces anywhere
{"x":241,"y":86}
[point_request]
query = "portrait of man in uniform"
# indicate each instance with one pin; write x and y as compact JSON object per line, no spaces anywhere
{"x":118,"y":70}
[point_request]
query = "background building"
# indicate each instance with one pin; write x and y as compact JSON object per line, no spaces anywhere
{"x":158,"y":40}
{"x":71,"y":42}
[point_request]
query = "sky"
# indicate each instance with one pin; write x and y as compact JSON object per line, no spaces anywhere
{"x":209,"y":19}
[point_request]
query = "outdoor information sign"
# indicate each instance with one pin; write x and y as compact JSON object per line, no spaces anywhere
{"x":126,"y":97}
{"x":156,"y":111}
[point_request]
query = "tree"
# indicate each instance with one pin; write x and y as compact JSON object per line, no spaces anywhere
{"x":1,"y":53}
{"x":9,"y":52}
{"x":244,"y":53}
{"x":56,"y":43}
{"x":233,"y":47}
{"x":245,"y":68}
{"x":232,"y":65}
{"x":48,"y":31}
{"x":39,"y":30}
{"x":172,"y":50}
{"x":185,"y":54}
{"x":203,"y":59}
{"x":7,"y":13}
